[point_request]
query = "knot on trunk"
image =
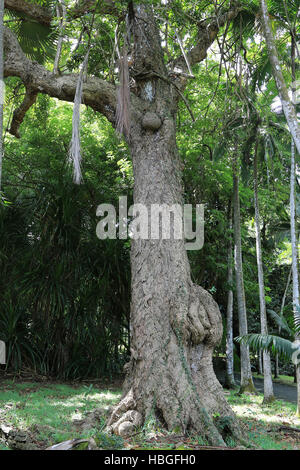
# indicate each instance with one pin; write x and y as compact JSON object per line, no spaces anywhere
{"x":202,"y":319}
{"x":151,"y":122}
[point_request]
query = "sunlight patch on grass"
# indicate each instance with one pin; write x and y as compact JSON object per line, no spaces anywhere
{"x":263,"y":421}
{"x":51,"y":409}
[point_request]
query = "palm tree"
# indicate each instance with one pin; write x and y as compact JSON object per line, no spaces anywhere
{"x":230,"y":382}
{"x":289,"y":110}
{"x":287,"y":105}
{"x":286,"y":348}
{"x":1,"y":86}
{"x":293,"y":218}
{"x":267,"y":370}
{"x":246,"y":376}
{"x":276,"y":375}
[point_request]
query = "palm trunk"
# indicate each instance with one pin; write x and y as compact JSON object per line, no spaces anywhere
{"x":1,"y":86}
{"x":292,"y":121}
{"x":267,"y":369}
{"x":229,"y":379}
{"x":287,"y":105}
{"x":294,"y":226}
{"x":260,"y":363}
{"x":276,"y":375}
{"x":246,"y":375}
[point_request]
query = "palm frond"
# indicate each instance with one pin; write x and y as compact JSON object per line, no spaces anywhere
{"x":281,"y":321}
{"x":273,"y":344}
{"x":297,"y":320}
{"x":37,"y":41}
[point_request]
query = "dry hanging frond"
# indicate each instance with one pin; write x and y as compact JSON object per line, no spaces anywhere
{"x":74,"y":151}
{"x":123,"y":97}
{"x":61,"y":13}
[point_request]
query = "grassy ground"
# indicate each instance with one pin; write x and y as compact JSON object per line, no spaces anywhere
{"x":47,"y":411}
{"x":282,"y":379}
{"x":264,"y":421}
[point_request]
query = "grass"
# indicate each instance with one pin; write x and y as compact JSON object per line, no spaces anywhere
{"x":47,"y":411}
{"x":282,"y":379}
{"x":263,"y":421}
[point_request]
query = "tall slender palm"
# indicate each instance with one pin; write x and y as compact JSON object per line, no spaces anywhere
{"x":230,"y":382}
{"x":1,"y":86}
{"x":246,"y":376}
{"x":293,"y":124}
{"x":267,"y":370}
{"x":287,"y":105}
{"x":276,"y":375}
{"x":293,"y":220}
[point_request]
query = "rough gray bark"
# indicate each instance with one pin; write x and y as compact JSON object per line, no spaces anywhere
{"x":246,"y":375}
{"x":267,"y":369}
{"x":175,"y":324}
{"x":229,"y":379}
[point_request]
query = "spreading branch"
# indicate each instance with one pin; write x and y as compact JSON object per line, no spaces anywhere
{"x":44,"y":16}
{"x":207,"y":33}
{"x":19,"y":113}
{"x":32,"y":10}
{"x":97,"y":93}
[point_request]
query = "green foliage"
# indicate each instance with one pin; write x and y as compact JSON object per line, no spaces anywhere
{"x":65,"y":305}
{"x":109,"y":441}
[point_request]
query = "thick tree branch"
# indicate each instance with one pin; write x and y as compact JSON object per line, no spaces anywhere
{"x":98,"y":94}
{"x":34,"y":11}
{"x":44,"y":16}
{"x":19,"y":113}
{"x":207,"y":33}
{"x":105,"y":7}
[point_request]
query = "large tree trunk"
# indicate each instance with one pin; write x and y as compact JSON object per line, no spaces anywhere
{"x":246,"y":375}
{"x":267,"y":369}
{"x":175,"y":324}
